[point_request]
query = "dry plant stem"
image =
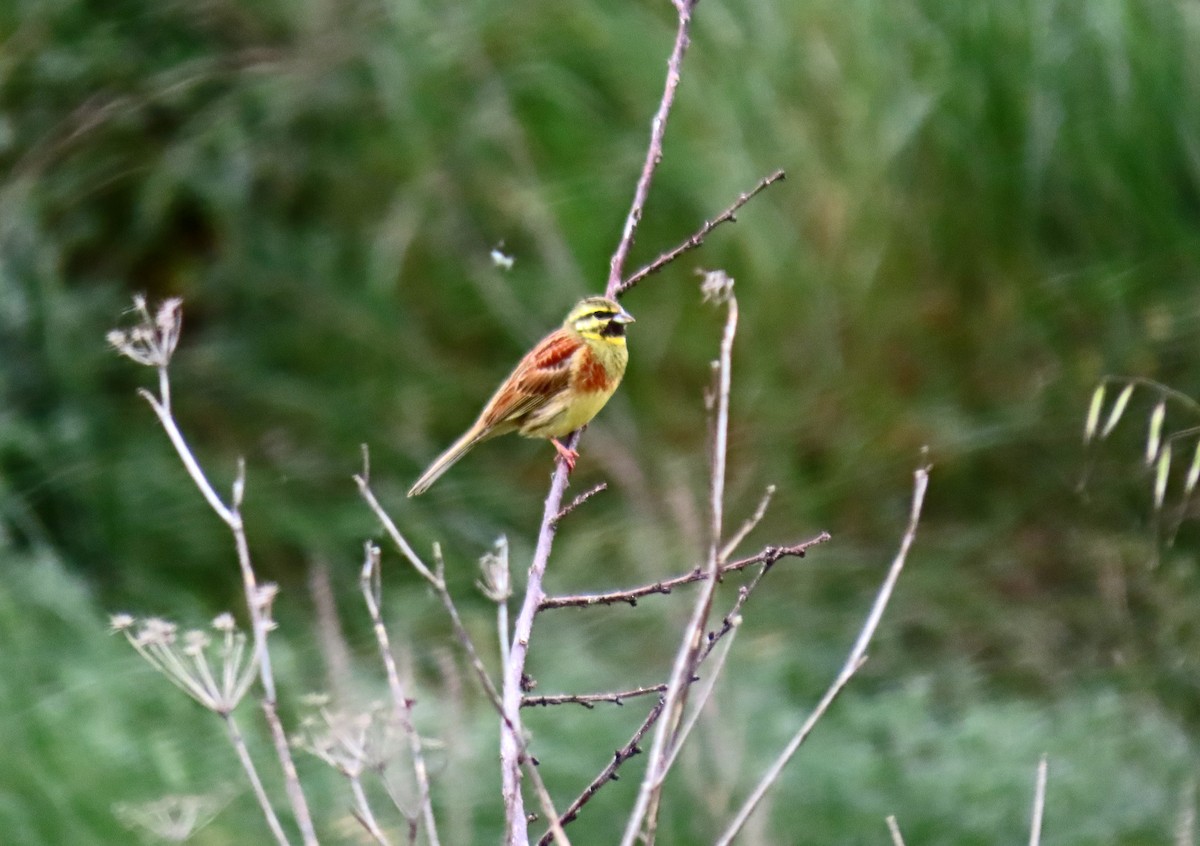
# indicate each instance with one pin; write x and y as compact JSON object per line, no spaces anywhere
{"x":589,"y":700}
{"x":654,"y":151}
{"x":438,"y":583}
{"x":402,"y":704}
{"x":260,"y":793}
{"x":1039,"y":802}
{"x":665,"y":735}
{"x":894,"y":830}
{"x":511,"y":740}
{"x":232,"y":517}
{"x":769,"y":554}
{"x":854,"y":660}
{"x":697,"y":239}
{"x":362,"y":812}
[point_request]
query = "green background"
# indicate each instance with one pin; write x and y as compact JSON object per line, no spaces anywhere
{"x":988,"y":207}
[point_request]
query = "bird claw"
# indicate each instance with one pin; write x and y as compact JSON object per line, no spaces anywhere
{"x":568,"y":455}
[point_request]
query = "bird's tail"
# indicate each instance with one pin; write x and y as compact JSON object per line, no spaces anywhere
{"x":446,"y":460}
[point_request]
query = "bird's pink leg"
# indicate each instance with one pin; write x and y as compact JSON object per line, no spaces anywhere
{"x":568,"y":455}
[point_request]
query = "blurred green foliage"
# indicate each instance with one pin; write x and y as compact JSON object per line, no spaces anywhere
{"x":988,"y":207}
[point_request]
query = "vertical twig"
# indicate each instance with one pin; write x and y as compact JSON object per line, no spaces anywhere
{"x":856,"y":658}
{"x":665,"y":735}
{"x":370,"y":584}
{"x":260,"y":793}
{"x":654,"y":151}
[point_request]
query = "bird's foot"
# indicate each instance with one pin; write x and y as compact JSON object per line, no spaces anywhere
{"x":568,"y":455}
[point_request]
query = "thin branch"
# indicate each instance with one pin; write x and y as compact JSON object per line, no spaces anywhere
{"x":854,"y":660}
{"x":748,"y":526}
{"x":402,"y":705}
{"x":697,"y":239}
{"x":654,"y":151}
{"x":894,"y":830}
{"x":580,"y":500}
{"x":769,"y":554}
{"x":690,"y":646}
{"x":1039,"y":802}
{"x":589,"y":700}
{"x":609,"y":773}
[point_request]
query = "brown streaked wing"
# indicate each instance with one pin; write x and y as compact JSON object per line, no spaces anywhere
{"x":541,"y":374}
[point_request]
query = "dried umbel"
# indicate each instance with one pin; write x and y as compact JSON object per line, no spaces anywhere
{"x":153,"y":340}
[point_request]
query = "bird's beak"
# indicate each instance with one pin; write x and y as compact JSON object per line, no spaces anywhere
{"x":623,"y":317}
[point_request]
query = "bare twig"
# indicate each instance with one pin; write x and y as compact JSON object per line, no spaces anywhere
{"x":654,"y":151}
{"x":691,"y":644}
{"x":580,"y":500}
{"x":748,"y":526}
{"x":609,"y":773}
{"x":854,"y":660}
{"x":894,"y":830}
{"x":589,"y":700}
{"x":260,"y":793}
{"x":698,"y":237}
{"x":769,"y":554}
{"x":402,"y":705}
{"x":1039,"y":802}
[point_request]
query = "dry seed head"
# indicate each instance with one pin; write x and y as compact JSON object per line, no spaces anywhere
{"x":1160,"y":477}
{"x":1093,"y":415}
{"x":495,"y":576}
{"x":716,"y":286}
{"x":1154,"y":439}
{"x":1118,"y":409}
{"x":1193,"y":473}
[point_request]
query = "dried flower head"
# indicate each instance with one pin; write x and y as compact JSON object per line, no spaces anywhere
{"x":716,"y":286}
{"x":493,"y":566}
{"x":215,"y":672}
{"x":153,"y":339}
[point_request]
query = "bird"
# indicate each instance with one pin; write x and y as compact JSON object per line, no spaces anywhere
{"x":558,"y":387}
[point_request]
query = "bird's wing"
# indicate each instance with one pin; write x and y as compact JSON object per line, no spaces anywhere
{"x":540,"y":376}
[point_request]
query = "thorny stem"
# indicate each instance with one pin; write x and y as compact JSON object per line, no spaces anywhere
{"x":768,"y":555}
{"x":665,"y":735}
{"x":609,"y":773}
{"x":856,"y":658}
{"x":589,"y":700}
